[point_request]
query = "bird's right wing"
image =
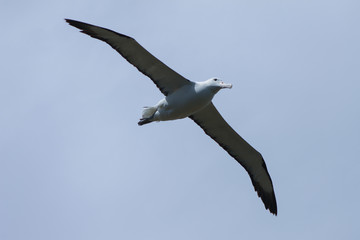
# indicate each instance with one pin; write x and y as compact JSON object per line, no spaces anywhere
{"x":214,"y":125}
{"x":166,"y":79}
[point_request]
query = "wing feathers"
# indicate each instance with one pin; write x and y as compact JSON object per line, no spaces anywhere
{"x":210,"y":120}
{"x":166,"y":79}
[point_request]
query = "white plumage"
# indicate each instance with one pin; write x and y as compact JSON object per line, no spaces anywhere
{"x":184,"y":98}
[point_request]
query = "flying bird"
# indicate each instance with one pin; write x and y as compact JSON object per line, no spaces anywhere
{"x":184,"y":98}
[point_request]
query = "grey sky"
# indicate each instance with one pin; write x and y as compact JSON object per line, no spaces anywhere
{"x":75,"y":165}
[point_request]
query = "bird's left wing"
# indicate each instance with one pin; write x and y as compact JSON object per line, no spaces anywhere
{"x":166,"y":79}
{"x":210,"y":120}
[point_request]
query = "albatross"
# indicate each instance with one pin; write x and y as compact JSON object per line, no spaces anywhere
{"x":185,"y":98}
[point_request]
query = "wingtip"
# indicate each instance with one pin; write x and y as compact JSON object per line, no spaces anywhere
{"x":75,"y":23}
{"x":68,"y":20}
{"x":269,"y":200}
{"x":273,"y":208}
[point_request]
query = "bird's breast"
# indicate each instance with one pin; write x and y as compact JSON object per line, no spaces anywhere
{"x":184,"y":102}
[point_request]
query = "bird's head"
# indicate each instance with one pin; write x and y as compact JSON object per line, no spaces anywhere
{"x":216,"y":84}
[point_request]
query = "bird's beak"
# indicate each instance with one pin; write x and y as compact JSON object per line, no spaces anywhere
{"x":225,"y":85}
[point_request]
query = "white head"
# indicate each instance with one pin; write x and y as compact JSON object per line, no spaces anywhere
{"x":216,"y":84}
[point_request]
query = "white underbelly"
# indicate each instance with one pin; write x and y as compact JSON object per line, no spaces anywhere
{"x":181,"y":104}
{"x":180,"y":111}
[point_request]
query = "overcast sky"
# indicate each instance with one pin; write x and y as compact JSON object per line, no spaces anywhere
{"x":74,"y":164}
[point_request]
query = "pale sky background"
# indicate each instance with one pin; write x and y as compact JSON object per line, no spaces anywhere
{"x":74,"y":164}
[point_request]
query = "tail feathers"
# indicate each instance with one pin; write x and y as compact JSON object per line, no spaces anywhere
{"x":147,"y":115}
{"x":148,"y":112}
{"x":144,"y":121}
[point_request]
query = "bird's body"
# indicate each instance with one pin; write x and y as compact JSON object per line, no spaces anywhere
{"x":184,"y":98}
{"x":185,"y":101}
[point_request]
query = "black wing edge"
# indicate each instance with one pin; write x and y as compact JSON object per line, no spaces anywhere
{"x":268,"y":199}
{"x":85,"y":29}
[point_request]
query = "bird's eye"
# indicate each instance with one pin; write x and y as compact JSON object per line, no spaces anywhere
{"x":215,"y":79}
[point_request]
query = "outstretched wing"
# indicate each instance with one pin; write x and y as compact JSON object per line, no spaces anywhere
{"x":214,"y":125}
{"x":166,"y":79}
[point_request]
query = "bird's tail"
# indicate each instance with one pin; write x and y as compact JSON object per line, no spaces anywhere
{"x":144,"y":121}
{"x":148,"y":112}
{"x":147,"y":115}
